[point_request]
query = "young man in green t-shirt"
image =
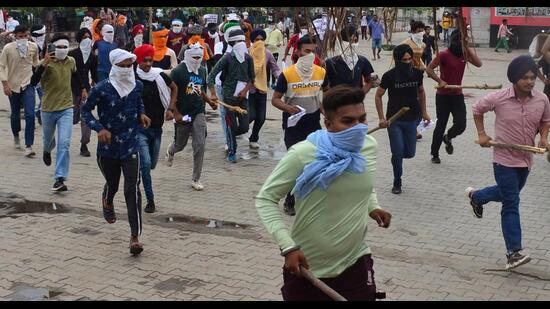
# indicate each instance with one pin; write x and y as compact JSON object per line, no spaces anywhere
{"x":54,"y":73}
{"x":332,"y":176}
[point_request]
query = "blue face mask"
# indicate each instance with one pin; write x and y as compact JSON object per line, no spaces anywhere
{"x":336,"y":152}
{"x":351,"y":139}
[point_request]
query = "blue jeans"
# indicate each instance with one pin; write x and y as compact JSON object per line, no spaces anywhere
{"x":40,"y":94}
{"x":26,"y":100}
{"x":149,"y":148}
{"x":63,"y":119}
{"x":219,"y":94}
{"x":257,"y":110}
{"x":510,"y":181}
{"x":235,"y":125}
{"x":402,"y":136}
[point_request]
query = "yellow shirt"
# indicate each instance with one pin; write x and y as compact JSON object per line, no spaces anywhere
{"x":446,"y":22}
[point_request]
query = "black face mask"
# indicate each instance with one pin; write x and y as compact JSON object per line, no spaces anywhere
{"x":212,"y":31}
{"x":403,"y":71}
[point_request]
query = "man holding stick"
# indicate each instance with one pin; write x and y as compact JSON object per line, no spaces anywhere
{"x":333,"y":167}
{"x":450,"y":101}
{"x":521,"y":112}
{"x":405,"y":89}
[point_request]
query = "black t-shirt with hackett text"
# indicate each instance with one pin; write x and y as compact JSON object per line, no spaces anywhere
{"x":152,"y":102}
{"x":403,"y":94}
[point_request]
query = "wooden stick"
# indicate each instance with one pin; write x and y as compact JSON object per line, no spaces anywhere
{"x":400,"y":113}
{"x":483,"y":86}
{"x":525,"y":148}
{"x":321,"y":285}
{"x":229,"y":107}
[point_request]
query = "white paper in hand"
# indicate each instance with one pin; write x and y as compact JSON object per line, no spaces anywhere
{"x":240,"y":86}
{"x":426,"y":125}
{"x":283,"y":66}
{"x":293,"y":120}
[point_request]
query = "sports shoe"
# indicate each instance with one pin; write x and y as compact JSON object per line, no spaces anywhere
{"x":197,"y":185}
{"x":59,"y":186}
{"x":169,"y":158}
{"x":47,"y":158}
{"x":448,"y":145}
{"x":232,"y":158}
{"x":396,"y":190}
{"x":436,"y":160}
{"x":84,"y":151}
{"x":150,"y":207}
{"x":289,"y":209}
{"x":254,"y":145}
{"x":516,"y":259}
{"x":16,"y":142}
{"x":477,"y":210}
{"x":29,"y":152}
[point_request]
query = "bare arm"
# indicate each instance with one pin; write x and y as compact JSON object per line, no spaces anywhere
{"x":422,"y":102}
{"x":431,"y":73}
{"x":545,"y":50}
{"x":473,"y":58}
{"x":378,"y":102}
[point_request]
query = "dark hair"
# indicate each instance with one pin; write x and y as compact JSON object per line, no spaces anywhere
{"x":306,"y":39}
{"x":416,"y":25}
{"x":20,"y":29}
{"x":341,"y":95}
{"x":192,"y":18}
{"x":60,"y":37}
{"x":348,"y":32}
{"x":81,"y":32}
{"x":505,"y":20}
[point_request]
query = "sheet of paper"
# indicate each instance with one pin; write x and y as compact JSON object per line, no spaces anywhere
{"x":426,"y":125}
{"x":239,"y":88}
{"x":293,"y":120}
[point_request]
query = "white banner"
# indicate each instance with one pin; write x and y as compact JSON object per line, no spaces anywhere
{"x":522,"y":11}
{"x":321,"y":26}
{"x":211,"y":18}
{"x":2,"y":23}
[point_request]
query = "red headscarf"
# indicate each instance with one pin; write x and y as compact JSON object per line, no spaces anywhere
{"x":136,"y":29}
{"x":143,"y":51}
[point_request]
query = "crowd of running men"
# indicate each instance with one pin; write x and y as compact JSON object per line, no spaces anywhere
{"x":231,"y":65}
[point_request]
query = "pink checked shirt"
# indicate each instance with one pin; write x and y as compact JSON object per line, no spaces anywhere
{"x":503,"y":31}
{"x":516,"y":123}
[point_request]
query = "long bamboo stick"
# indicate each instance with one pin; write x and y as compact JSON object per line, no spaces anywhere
{"x":321,"y":285}
{"x":229,"y":107}
{"x":483,"y":86}
{"x":525,"y":148}
{"x":395,"y":116}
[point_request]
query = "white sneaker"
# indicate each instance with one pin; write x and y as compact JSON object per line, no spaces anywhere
{"x":29,"y":152}
{"x":197,"y":185}
{"x":254,"y":145}
{"x":169,"y":158}
{"x":469,"y":191}
{"x":16,"y":142}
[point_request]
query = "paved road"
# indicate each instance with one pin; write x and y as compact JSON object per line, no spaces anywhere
{"x":434,"y":250}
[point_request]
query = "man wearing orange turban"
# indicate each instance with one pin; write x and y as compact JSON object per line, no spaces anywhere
{"x":164,"y":58}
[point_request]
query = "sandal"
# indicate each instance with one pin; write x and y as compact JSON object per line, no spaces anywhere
{"x":109,"y":213}
{"x":135,"y":248}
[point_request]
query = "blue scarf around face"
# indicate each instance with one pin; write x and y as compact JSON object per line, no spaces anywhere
{"x":336,"y":153}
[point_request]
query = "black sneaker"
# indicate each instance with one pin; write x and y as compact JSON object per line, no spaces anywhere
{"x":477,"y":210}
{"x":516,"y":259}
{"x":436,"y":160}
{"x":289,"y":209}
{"x":150,"y":208}
{"x":59,"y":186}
{"x":396,"y":190}
{"x":84,"y":151}
{"x":448,"y":145}
{"x":47,"y":158}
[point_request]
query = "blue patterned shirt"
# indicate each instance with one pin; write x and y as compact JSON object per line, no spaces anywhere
{"x":118,"y":115}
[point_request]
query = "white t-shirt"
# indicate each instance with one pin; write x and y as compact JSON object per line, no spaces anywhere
{"x":218,"y":49}
{"x":364,"y":21}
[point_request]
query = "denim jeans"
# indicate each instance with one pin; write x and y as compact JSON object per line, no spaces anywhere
{"x":402,"y":136}
{"x":257,"y":110}
{"x":510,"y":181}
{"x":235,"y":125}
{"x":26,"y":100}
{"x":85,"y":131}
{"x":102,"y":75}
{"x":40,"y":94}
{"x":149,"y":148}
{"x":63,"y":120}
